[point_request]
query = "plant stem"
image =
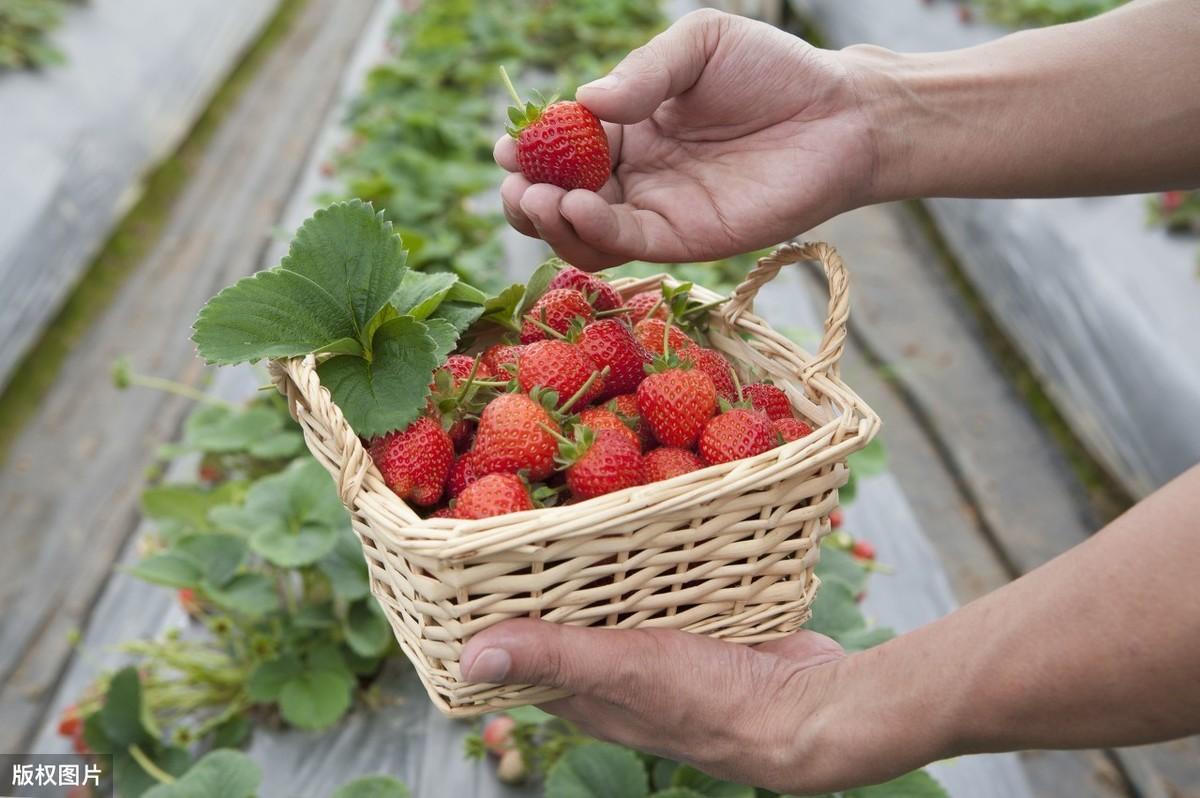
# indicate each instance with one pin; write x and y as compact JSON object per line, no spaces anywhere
{"x":509,"y":85}
{"x":177,"y":388}
{"x":147,"y":764}
{"x":583,"y":389}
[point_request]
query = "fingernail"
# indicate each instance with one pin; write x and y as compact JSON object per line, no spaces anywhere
{"x":490,"y":665}
{"x":605,"y":83}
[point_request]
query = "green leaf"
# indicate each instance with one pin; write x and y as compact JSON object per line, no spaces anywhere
{"x":346,"y":570}
{"x":465,"y":293}
{"x":231,"y":733}
{"x":390,"y":391}
{"x":216,"y":555}
{"x":870,"y":460}
{"x":460,"y":315}
{"x":834,"y":611}
{"x":366,"y":629}
{"x":219,"y":429}
{"x":537,"y":284}
{"x":502,"y":308}
{"x":597,"y":770}
{"x":373,"y":787}
{"x":250,"y":594}
{"x":294,"y":546}
{"x":683,"y":792}
{"x":838,"y":565}
{"x":314,"y":699}
{"x":169,"y":570}
{"x":268,"y":679}
{"x":917,"y":784}
{"x":286,"y":443}
{"x":444,"y":334}
{"x":225,"y":773}
{"x":528,"y":715}
{"x":187,"y":505}
{"x":688,"y":778}
{"x":121,"y":715}
{"x":420,"y":293}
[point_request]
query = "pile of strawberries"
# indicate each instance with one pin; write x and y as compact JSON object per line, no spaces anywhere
{"x":598,"y":395}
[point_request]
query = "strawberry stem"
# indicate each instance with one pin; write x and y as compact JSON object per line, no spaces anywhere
{"x":706,"y":306}
{"x":583,"y":390}
{"x":546,"y":328}
{"x":509,"y":85}
{"x":603,"y":314}
{"x":558,"y":436}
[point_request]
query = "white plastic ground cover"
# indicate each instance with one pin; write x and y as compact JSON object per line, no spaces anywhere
{"x":1106,"y":311}
{"x":77,"y":138}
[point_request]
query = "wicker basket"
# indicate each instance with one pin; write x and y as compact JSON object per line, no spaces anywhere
{"x":727,"y":551}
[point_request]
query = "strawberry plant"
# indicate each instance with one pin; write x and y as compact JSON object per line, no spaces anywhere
{"x":25,"y":28}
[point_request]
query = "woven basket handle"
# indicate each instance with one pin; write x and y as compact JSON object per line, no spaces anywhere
{"x":834,"y":338}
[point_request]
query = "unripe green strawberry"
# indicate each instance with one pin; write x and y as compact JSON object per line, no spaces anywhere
{"x":611,"y":343}
{"x":668,"y":461}
{"x":736,"y":434}
{"x":414,"y":461}
{"x":718,"y":369}
{"x":647,"y":304}
{"x":601,"y":418}
{"x":555,"y":309}
{"x":600,"y":294}
{"x":600,"y":462}
{"x":562,"y":367}
{"x":676,"y":404}
{"x":650,"y":332}
{"x":511,"y":438}
{"x":769,"y":399}
{"x":492,"y":495}
{"x":791,"y":429}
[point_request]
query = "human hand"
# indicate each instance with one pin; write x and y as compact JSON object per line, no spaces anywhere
{"x":746,"y":714}
{"x":727,"y":135}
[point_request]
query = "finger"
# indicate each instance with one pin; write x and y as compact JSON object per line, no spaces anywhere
{"x":622,"y":230}
{"x":511,"y":191}
{"x":665,"y":67}
{"x":804,"y":648}
{"x":505,"y":152}
{"x":540,"y":204}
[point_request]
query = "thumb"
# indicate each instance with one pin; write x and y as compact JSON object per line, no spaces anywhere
{"x":665,"y":67}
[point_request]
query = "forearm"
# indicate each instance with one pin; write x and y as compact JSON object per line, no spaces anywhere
{"x":1099,"y":647}
{"x":1106,"y":106}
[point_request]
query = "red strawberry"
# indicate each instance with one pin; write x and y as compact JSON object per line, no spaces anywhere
{"x":863,"y":550}
{"x":835,"y":517}
{"x":187,"y":600}
{"x":555,"y":309}
{"x":1172,"y":200}
{"x":497,"y":734}
{"x":668,"y":461}
{"x":561,"y":143}
{"x":601,"y":295}
{"x":494,"y":494}
{"x":69,"y":722}
{"x":460,"y":367}
{"x":442,"y":512}
{"x":462,"y":474}
{"x":601,"y":462}
{"x":769,"y":399}
{"x":791,"y":429}
{"x":559,"y":366}
{"x":676,"y":403}
{"x":600,"y":418}
{"x":736,"y":434}
{"x":414,"y":461}
{"x":718,"y":369}
{"x":650,"y":333}
{"x":445,"y":401}
{"x":511,"y":438}
{"x":640,"y":305}
{"x":499,"y":357}
{"x":611,"y":343}
{"x":626,"y":408}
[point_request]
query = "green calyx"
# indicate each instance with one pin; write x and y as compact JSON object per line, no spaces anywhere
{"x":523,"y":113}
{"x":570,"y":450}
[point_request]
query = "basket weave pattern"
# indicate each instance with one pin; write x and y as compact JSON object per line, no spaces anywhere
{"x":727,"y":551}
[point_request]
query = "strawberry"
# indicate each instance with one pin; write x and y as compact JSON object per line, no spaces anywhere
{"x":611,"y":343}
{"x":600,"y":418}
{"x":735,"y":434}
{"x":676,"y":402}
{"x":498,"y":358}
{"x":462,"y":473}
{"x":494,"y":494}
{"x":460,"y":366}
{"x":414,"y":461}
{"x":641,"y":304}
{"x":452,"y":400}
{"x":563,"y":367}
{"x":650,"y":333}
{"x":718,"y":369}
{"x":497,"y":734}
{"x":791,"y":429}
{"x":561,"y":143}
{"x":442,"y":512}
{"x":69,"y":722}
{"x":626,"y":408}
{"x":511,"y":438}
{"x":600,"y":462}
{"x":600,"y":294}
{"x":555,"y":309}
{"x":667,"y":462}
{"x":835,"y":517}
{"x":769,"y":399}
{"x":863,"y":550}
{"x":187,"y":600}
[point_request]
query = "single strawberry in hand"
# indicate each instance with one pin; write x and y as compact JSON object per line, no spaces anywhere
{"x":600,"y":462}
{"x":414,"y":461}
{"x":562,"y":367}
{"x":494,"y":494}
{"x":556,"y":310}
{"x":611,"y":343}
{"x":667,"y":462}
{"x":561,"y":143}
{"x":676,"y":401}
{"x":600,"y":294}
{"x":736,"y":434}
{"x":769,"y":399}
{"x":512,"y":438}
